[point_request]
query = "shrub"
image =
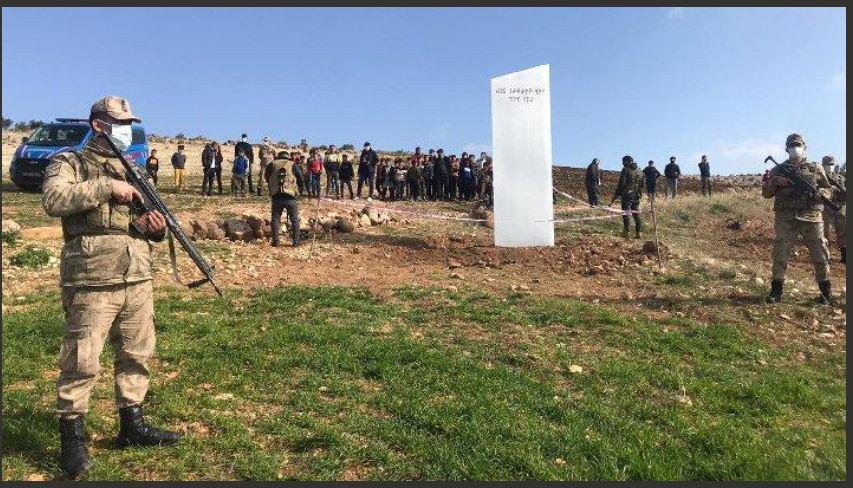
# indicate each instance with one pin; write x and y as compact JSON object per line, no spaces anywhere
{"x":180,"y":135}
{"x":31,"y":257}
{"x":347,"y":147}
{"x":11,"y":238}
{"x":719,"y":208}
{"x":34,"y":124}
{"x":7,"y":123}
{"x":21,"y":126}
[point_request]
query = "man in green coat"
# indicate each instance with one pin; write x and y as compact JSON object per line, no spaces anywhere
{"x":629,"y":190}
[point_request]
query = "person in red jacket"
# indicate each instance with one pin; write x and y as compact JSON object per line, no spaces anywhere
{"x":315,"y":169}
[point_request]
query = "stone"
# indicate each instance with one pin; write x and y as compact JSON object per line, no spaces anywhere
{"x":199,"y":230}
{"x":364,"y":220}
{"x":214,"y":231}
{"x":734,"y":224}
{"x":453,"y":264}
{"x":345,"y":225}
{"x":236,"y":229}
{"x":42,"y":233}
{"x":649,"y":247}
{"x":10,"y":226}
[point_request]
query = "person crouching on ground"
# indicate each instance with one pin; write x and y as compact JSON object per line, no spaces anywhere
{"x":282,"y":197}
{"x":628,"y":191}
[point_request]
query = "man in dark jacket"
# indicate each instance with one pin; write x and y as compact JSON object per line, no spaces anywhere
{"x":366,"y":166}
{"x":593,"y":182}
{"x":179,"y":160}
{"x":440,"y":175}
{"x":628,"y":191}
{"x":346,"y":174}
{"x":671,"y":172}
{"x":426,"y":173}
{"x":208,"y":164}
{"x":651,"y":174}
{"x":705,"y":176}
{"x":246,"y":148}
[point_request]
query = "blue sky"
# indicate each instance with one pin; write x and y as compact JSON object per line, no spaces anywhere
{"x":650,"y":82}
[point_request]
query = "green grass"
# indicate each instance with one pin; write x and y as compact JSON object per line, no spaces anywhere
{"x":426,"y":384}
{"x":11,"y":238}
{"x":31,"y":257}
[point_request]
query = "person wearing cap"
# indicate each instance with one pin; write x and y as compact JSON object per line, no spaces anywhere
{"x":705,"y":176}
{"x":106,"y":282}
{"x":628,"y":191}
{"x":266,"y":155}
{"x":246,"y":148}
{"x":672,"y":172}
{"x":651,"y":175}
{"x":798,"y":214}
{"x":832,"y":219}
{"x":366,"y":169}
{"x":593,"y":182}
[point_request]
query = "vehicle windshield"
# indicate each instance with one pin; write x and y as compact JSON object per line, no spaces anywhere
{"x":59,"y":135}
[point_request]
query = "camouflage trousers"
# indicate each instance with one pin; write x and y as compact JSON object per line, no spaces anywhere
{"x":787,"y":231}
{"x":125,"y":314}
{"x":834,"y":221}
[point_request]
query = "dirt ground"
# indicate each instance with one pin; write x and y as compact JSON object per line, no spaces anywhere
{"x":709,"y":273}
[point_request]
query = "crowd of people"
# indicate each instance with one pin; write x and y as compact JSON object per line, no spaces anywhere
{"x":651,"y":175}
{"x":419,"y":177}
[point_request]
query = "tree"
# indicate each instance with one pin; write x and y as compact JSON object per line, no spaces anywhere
{"x":21,"y":126}
{"x":347,"y":147}
{"x":34,"y":124}
{"x":7,"y":123}
{"x":180,"y":135}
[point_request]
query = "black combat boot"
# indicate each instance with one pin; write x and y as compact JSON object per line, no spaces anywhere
{"x":775,"y":295}
{"x":825,"y":297}
{"x":133,"y":431}
{"x":74,"y":456}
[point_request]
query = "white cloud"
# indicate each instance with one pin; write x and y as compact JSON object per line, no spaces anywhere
{"x":476,"y":148}
{"x":739,"y":157}
{"x":839,"y":82}
{"x":675,"y":13}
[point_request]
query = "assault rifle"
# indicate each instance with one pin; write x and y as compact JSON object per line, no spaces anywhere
{"x":152,"y":201}
{"x":801,"y":183}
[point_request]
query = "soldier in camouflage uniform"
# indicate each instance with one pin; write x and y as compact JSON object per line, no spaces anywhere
{"x":629,"y":190}
{"x":798,"y":213}
{"x":266,"y":154}
{"x":833,"y":220}
{"x":105,"y":276}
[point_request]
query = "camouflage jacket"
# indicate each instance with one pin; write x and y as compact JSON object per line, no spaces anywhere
{"x":839,"y":197}
{"x":791,"y":203}
{"x":101,"y":248}
{"x":630,"y":183}
{"x":277,"y":176}
{"x":266,"y":153}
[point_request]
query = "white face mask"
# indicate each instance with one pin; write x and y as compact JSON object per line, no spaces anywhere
{"x":121,"y":135}
{"x":796,"y":151}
